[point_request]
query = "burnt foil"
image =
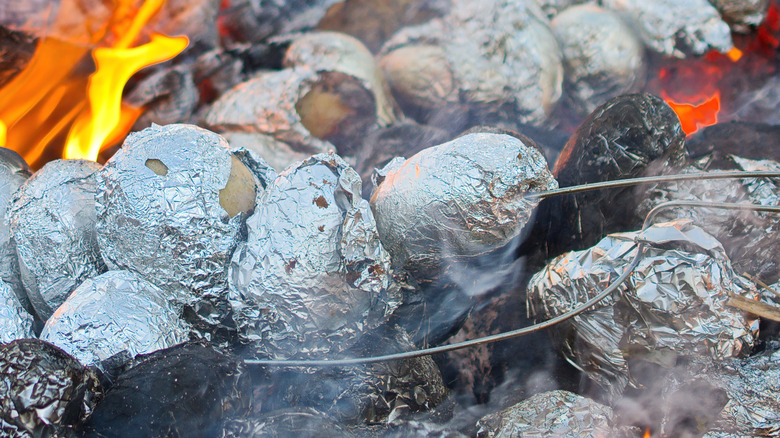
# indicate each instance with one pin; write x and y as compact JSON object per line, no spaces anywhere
{"x":458,"y":199}
{"x":678,"y":28}
{"x":14,"y":171}
{"x":44,"y":391}
{"x":170,"y":227}
{"x":298,"y":422}
{"x":504,"y":61}
{"x":266,"y":104}
{"x":183,"y":391}
{"x":313,"y":275}
{"x":673,"y":304}
{"x":749,"y":238}
{"x":15,"y":321}
{"x":52,"y":221}
{"x":378,"y":393}
{"x":549,"y":414}
{"x":602,"y":56}
{"x":742,"y":14}
{"x":114,"y":313}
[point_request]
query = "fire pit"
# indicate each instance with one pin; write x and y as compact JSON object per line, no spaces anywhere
{"x":242,"y":218}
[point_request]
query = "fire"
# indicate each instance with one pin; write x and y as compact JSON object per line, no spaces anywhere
{"x":55,"y":105}
{"x":692,"y":117}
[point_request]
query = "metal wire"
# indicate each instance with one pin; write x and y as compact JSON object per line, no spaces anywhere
{"x":576,"y":311}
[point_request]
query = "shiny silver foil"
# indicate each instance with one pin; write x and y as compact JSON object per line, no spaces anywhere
{"x":460,"y":198}
{"x":602,"y":56}
{"x":265,"y":104}
{"x":673,"y":304}
{"x":312,"y":275}
{"x":43,"y":390}
{"x":15,"y":322}
{"x":678,"y":28}
{"x":52,"y":221}
{"x":549,"y":414}
{"x":116,"y":312}
{"x":277,"y":154}
{"x":742,"y":14}
{"x":169,"y":227}
{"x":553,"y":7}
{"x":298,"y":422}
{"x":502,"y":56}
{"x":14,"y":171}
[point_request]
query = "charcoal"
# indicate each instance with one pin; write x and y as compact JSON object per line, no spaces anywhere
{"x":298,"y":422}
{"x":749,"y":238}
{"x":257,"y":20}
{"x":171,"y":204}
{"x":628,"y":136}
{"x":672,"y":305}
{"x":114,"y":313}
{"x":197,"y":19}
{"x":715,"y":144}
{"x":494,"y":60}
{"x":676,"y":28}
{"x":52,"y":222}
{"x":44,"y":391}
{"x":15,"y":321}
{"x":183,"y":391}
{"x":602,"y":56}
{"x":313,"y":275}
{"x":16,"y":49}
{"x":13,"y":173}
{"x":377,"y":393}
{"x":742,"y":15}
{"x":550,"y":414}
{"x":168,"y":96}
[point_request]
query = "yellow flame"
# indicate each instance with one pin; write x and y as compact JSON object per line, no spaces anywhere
{"x":734,"y":54}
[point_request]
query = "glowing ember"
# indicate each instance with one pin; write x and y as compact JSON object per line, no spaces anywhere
{"x":54,"y":104}
{"x":694,"y":117}
{"x":647,"y":434}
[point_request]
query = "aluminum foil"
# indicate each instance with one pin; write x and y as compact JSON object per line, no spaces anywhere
{"x":299,"y":422}
{"x":14,"y":171}
{"x":552,"y":7}
{"x":169,"y":227}
{"x":52,"y":222}
{"x":458,"y":199}
{"x":678,"y":28}
{"x":43,"y":389}
{"x":748,"y":237}
{"x":742,"y":14}
{"x":116,"y":312}
{"x":673,"y":304}
{"x":313,"y":274}
{"x":549,"y":414}
{"x":602,"y":56}
{"x":266,"y":105}
{"x":15,"y":321}
{"x":276,"y":154}
{"x":503,"y":58}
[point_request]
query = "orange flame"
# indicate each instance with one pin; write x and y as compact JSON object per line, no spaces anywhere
{"x":54,"y":105}
{"x":647,"y":434}
{"x":694,"y":117}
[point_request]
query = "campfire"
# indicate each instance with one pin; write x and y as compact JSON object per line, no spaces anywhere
{"x":241,"y":218}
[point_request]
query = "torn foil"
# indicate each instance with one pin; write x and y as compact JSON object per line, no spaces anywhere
{"x":14,"y":171}
{"x":461,"y":198}
{"x":313,"y":275}
{"x":43,"y":389}
{"x":115,"y":313}
{"x":549,"y":414}
{"x":678,"y":28}
{"x":673,"y":304}
{"x":742,"y":15}
{"x":749,"y":237}
{"x":52,"y":221}
{"x":15,"y":321}
{"x":160,"y":212}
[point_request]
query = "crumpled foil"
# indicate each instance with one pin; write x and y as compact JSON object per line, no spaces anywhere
{"x":503,"y":58}
{"x":749,"y":237}
{"x":673,"y":304}
{"x":458,"y":199}
{"x":43,"y":389}
{"x":116,"y":312}
{"x":742,"y":14}
{"x":15,"y":321}
{"x":170,"y":228}
{"x":312,"y":275}
{"x":14,"y":171}
{"x":265,"y":104}
{"x":298,"y":422}
{"x":602,"y":56}
{"x":549,"y":414}
{"x":552,"y":7}
{"x":377,"y":393}
{"x":678,"y":28}
{"x":184,"y":391}
{"x":52,"y":221}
